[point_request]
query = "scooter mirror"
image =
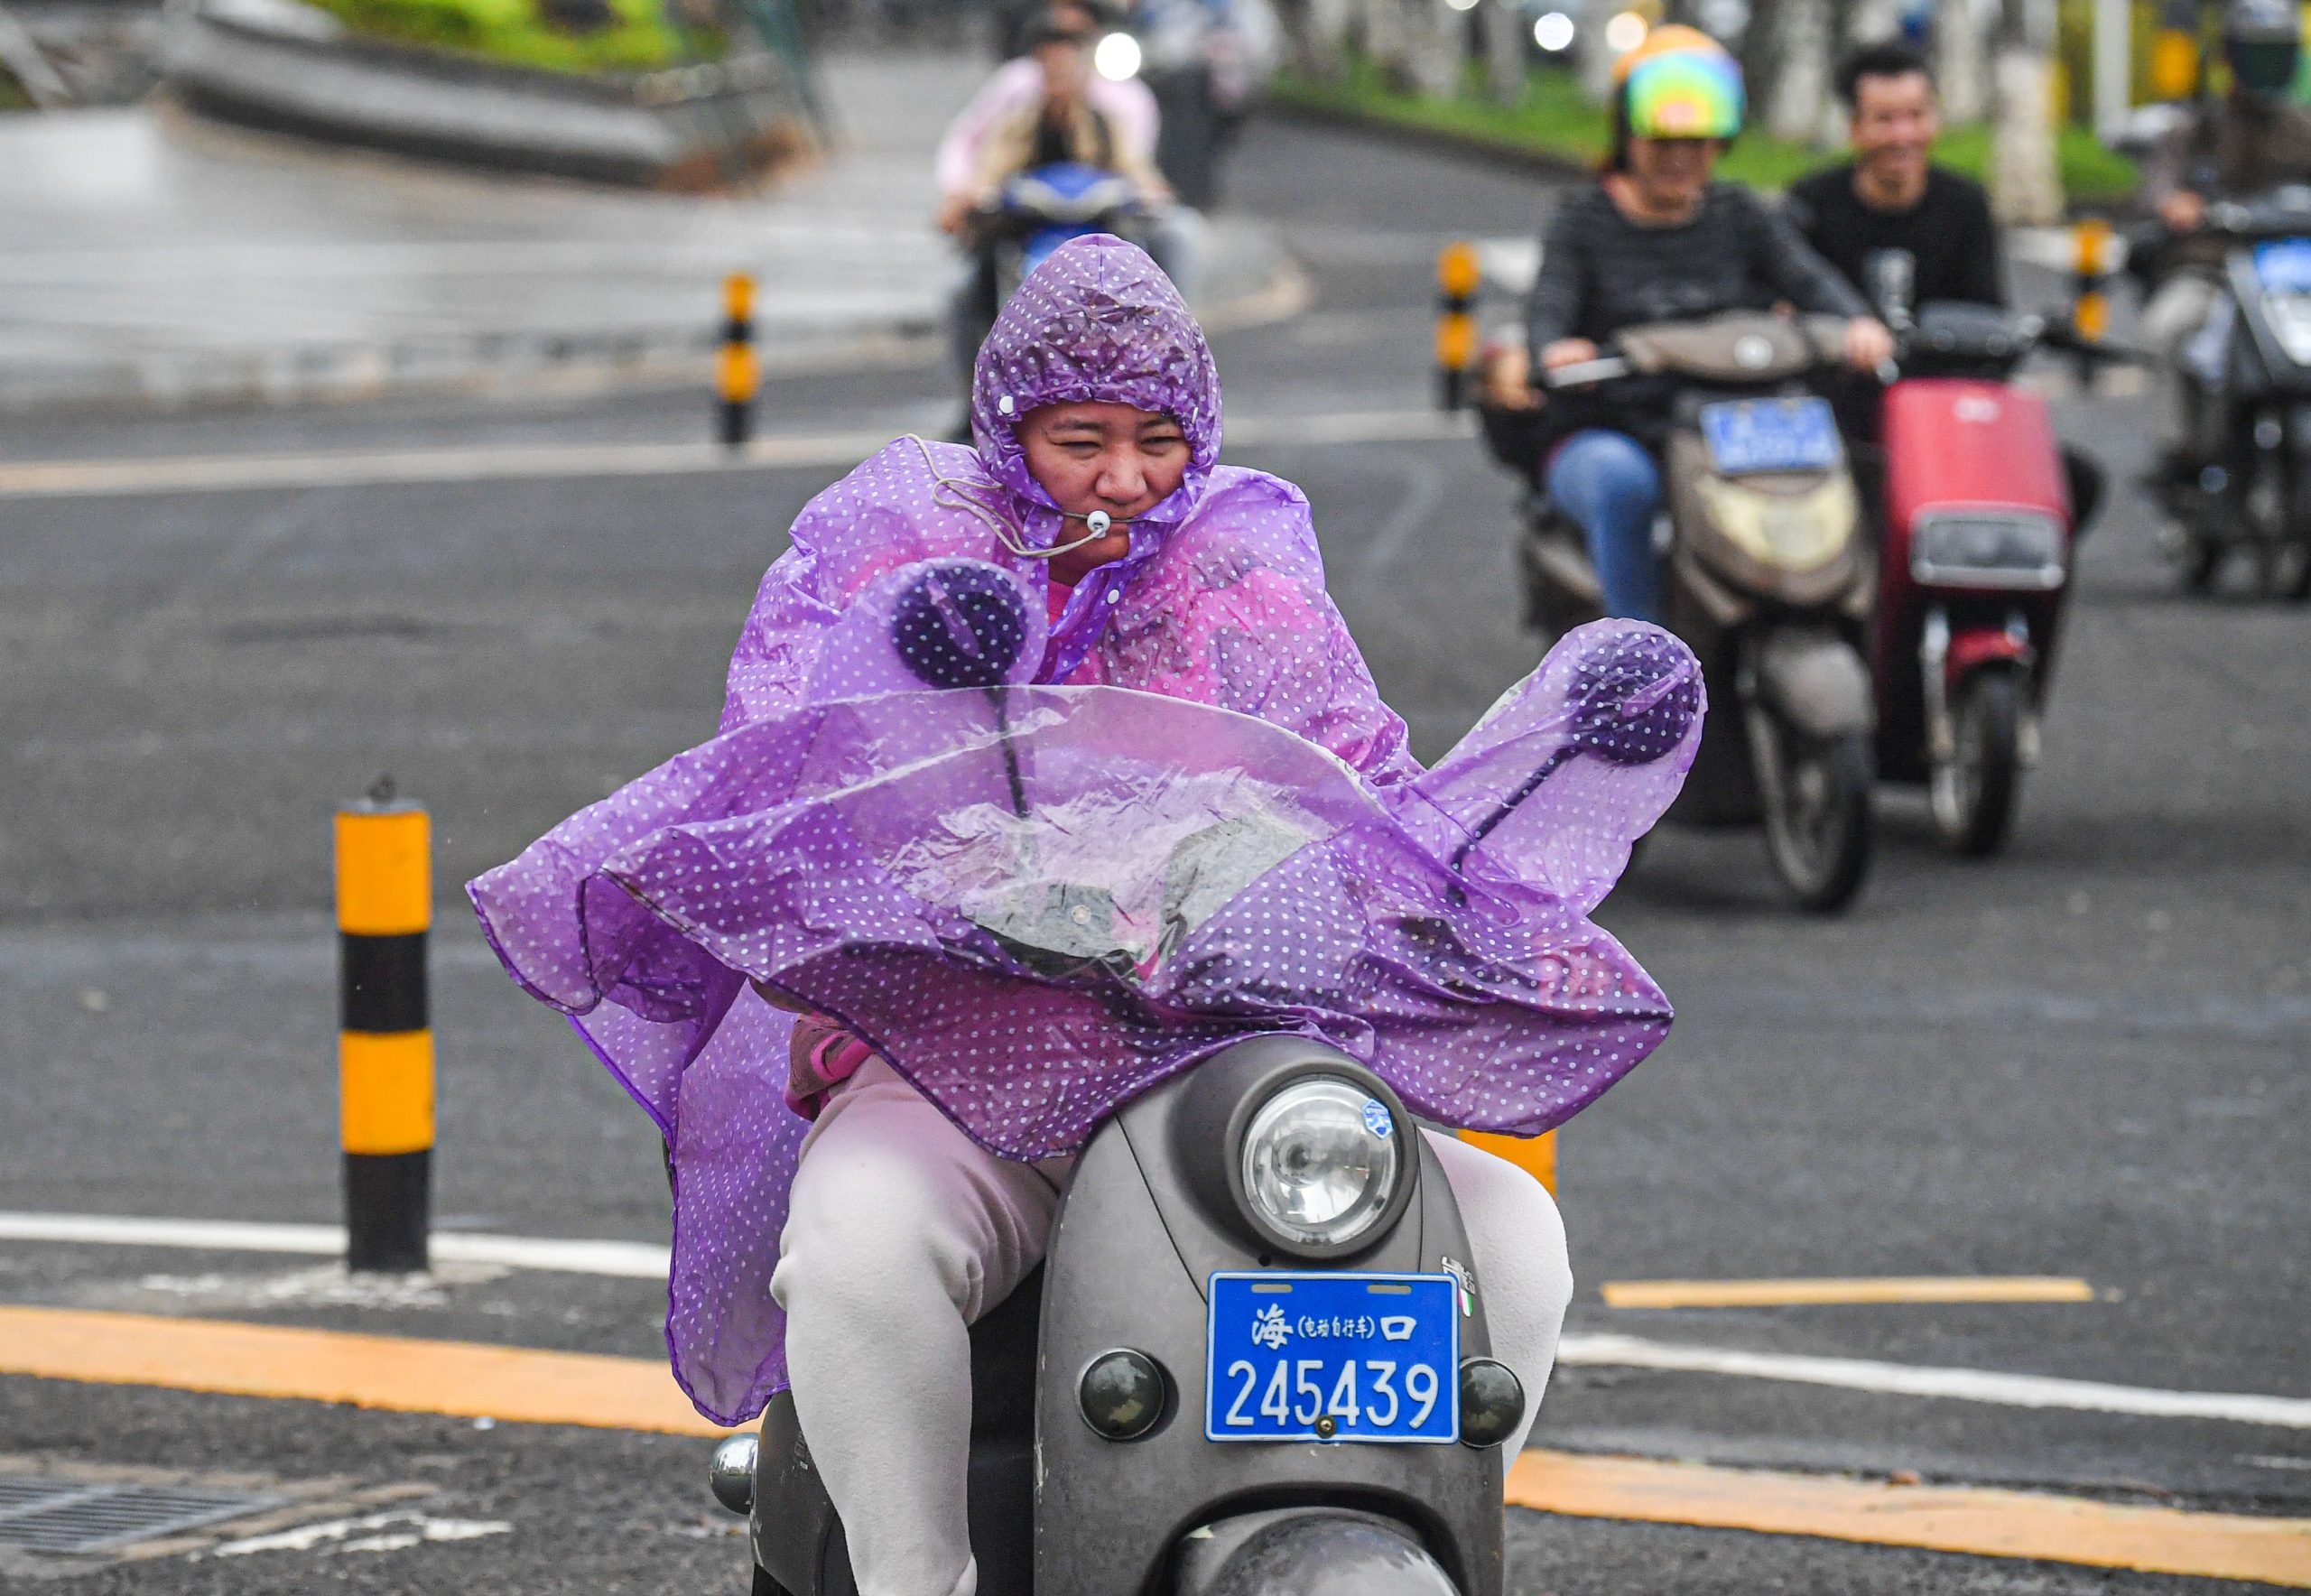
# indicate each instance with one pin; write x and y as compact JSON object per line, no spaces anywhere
{"x":1892,"y":277}
{"x":961,"y":626}
{"x":1634,"y":698}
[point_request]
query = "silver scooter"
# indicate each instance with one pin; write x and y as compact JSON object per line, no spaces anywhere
{"x":1219,"y":1380}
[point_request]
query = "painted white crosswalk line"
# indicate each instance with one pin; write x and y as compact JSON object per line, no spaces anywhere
{"x":630,"y":1260}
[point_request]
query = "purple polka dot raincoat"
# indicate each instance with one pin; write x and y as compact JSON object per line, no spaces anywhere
{"x":1042,"y":858}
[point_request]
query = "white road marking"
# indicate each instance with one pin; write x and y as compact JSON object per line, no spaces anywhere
{"x":629,"y":1260}
{"x":407,"y":1529}
{"x":1962,"y":1385}
{"x":636,"y":1260}
{"x":226,"y":473}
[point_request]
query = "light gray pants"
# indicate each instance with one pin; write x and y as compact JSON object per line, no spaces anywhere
{"x":2174,"y":320}
{"x":902,"y":1230}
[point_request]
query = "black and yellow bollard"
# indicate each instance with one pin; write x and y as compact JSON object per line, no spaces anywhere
{"x":1458,"y":277}
{"x":737,"y":374}
{"x":2090,"y":315}
{"x":384,"y":1046}
{"x":1534,"y":1154}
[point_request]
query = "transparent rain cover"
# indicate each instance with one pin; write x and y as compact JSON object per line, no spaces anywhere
{"x":1035,"y":902}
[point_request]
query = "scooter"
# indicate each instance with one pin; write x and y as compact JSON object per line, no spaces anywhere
{"x":2252,"y":367}
{"x":1975,"y":560}
{"x":1187,"y":1306}
{"x":1256,"y":1357}
{"x":1771,"y":584}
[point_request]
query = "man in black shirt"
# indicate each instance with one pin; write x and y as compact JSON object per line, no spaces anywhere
{"x":1890,"y":195}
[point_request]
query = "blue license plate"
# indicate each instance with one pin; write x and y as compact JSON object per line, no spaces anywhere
{"x":1333,"y":1358}
{"x":1749,"y":435}
{"x":2284,"y":265}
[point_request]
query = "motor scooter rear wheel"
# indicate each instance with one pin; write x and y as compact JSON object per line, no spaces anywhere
{"x":1974,"y":790}
{"x":1819,"y":823}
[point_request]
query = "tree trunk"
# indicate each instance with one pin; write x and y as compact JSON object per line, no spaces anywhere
{"x":1439,"y":39}
{"x":1961,"y":65}
{"x":1316,"y":35}
{"x":1595,"y":56}
{"x":1381,"y":28}
{"x":1796,"y":95}
{"x":1504,"y":50}
{"x":2026,"y":185}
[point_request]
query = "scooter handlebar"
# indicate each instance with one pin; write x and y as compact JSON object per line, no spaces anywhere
{"x":1585,"y":374}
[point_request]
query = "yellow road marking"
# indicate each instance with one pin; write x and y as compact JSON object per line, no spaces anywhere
{"x":1772,"y":1293}
{"x":527,"y":1386}
{"x":1932,"y":1518}
{"x":519,"y":1384}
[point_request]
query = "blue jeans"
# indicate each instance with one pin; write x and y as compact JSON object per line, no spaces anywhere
{"x":1610,"y":487}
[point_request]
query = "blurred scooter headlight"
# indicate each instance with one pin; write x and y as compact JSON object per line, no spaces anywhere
{"x":2014,"y":549}
{"x":1116,"y":58}
{"x":1321,"y":1161}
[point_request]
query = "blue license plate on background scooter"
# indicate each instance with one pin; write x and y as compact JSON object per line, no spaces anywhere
{"x":1749,"y":435}
{"x":2284,"y":265}
{"x":1333,"y":1358}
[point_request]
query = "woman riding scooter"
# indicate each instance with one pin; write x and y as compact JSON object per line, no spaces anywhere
{"x":1656,"y":240}
{"x":1095,"y":478}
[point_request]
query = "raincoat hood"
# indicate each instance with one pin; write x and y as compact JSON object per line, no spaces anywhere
{"x":1098,"y":322}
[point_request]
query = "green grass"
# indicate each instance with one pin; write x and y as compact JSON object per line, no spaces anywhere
{"x":638,"y":37}
{"x":1555,"y":119}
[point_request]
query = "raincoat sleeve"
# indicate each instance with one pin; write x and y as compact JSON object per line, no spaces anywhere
{"x":1240,"y":618}
{"x":864,"y":527}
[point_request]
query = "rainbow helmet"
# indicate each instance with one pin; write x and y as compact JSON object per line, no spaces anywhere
{"x":1681,"y":83}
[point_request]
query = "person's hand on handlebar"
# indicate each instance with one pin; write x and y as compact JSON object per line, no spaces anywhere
{"x":2183,"y":210}
{"x":1567,"y":351}
{"x":956,"y":209}
{"x":1868,"y":344}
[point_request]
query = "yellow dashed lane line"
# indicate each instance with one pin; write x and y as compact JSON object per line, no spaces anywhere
{"x":1777,"y":1293}
{"x":525,"y":1386}
{"x":1931,"y":1517}
{"x":462,"y":1378}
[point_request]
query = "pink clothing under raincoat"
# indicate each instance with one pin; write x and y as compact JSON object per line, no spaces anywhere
{"x":966,"y":829}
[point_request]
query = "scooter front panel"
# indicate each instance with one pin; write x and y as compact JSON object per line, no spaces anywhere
{"x":1110,"y":1513}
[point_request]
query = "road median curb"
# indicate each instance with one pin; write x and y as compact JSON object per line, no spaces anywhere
{"x":1255,"y":281}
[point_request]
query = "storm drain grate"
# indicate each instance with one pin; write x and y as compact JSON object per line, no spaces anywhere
{"x":46,"y":1515}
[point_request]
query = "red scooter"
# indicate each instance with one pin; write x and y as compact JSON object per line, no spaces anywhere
{"x":1975,"y":567}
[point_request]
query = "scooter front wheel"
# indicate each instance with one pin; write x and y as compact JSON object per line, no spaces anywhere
{"x":1314,"y":1552}
{"x":1974,"y":790}
{"x":1819,"y":823}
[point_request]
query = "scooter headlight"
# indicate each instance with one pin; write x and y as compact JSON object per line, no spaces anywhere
{"x":1987,"y":549}
{"x":1321,"y":1162}
{"x":1116,"y":58}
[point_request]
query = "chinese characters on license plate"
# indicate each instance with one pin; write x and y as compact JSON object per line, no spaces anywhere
{"x":1749,"y":435}
{"x":1333,"y":1358}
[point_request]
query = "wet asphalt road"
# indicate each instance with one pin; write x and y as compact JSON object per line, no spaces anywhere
{"x":2088,"y":1058}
